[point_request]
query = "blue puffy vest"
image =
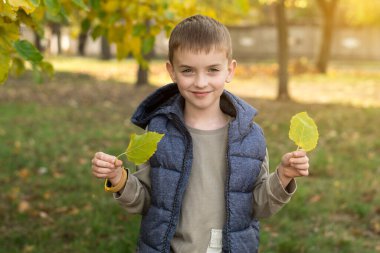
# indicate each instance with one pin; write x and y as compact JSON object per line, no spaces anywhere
{"x":171,"y":166}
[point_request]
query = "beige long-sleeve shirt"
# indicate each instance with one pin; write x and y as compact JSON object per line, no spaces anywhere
{"x":203,"y":207}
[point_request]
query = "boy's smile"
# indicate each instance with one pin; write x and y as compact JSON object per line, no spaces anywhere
{"x":201,"y":77}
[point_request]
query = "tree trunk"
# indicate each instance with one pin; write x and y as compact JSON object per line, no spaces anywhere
{"x":56,"y":29}
{"x":328,"y":9}
{"x":283,"y":50}
{"x":37,"y":42}
{"x":105,"y":49}
{"x":142,"y":76}
{"x":82,"y":43}
{"x":143,"y":71}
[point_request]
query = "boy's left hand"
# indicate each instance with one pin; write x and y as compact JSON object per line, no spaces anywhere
{"x":293,"y":164}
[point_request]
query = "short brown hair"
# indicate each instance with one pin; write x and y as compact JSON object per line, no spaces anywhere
{"x":200,"y":33}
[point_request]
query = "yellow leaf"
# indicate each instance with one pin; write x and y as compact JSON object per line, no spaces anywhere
{"x":26,"y":5}
{"x":14,"y":193}
{"x":9,"y":32}
{"x":23,"y":174}
{"x":136,"y":45}
{"x":303,"y":131}
{"x":110,"y":6}
{"x":8,"y":11}
{"x":4,"y":66}
{"x":23,"y":206}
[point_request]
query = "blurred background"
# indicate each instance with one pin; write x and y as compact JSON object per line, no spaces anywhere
{"x":73,"y":71}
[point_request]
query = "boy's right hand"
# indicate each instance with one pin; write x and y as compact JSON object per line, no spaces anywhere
{"x":104,"y":166}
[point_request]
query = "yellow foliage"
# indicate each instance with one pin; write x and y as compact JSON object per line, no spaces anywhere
{"x":111,"y":6}
{"x":8,"y":11}
{"x":26,"y":5}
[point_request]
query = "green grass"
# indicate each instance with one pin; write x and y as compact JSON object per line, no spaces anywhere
{"x":50,"y":202}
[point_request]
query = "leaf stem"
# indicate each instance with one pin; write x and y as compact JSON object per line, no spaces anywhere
{"x":117,"y":157}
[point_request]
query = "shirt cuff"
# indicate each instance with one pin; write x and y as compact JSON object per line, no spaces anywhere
{"x":281,"y":194}
{"x":127,"y":193}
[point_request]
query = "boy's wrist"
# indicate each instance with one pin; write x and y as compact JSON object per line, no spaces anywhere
{"x":116,"y":179}
{"x":285,"y":180}
{"x":119,"y":183}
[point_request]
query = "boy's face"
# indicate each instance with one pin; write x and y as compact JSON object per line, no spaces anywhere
{"x":201,"y":77}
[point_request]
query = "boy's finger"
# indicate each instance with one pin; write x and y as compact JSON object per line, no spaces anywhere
{"x":302,"y":167}
{"x":299,"y":153}
{"x":299,"y":160}
{"x":103,"y":164}
{"x":105,"y":157}
{"x":103,"y":171}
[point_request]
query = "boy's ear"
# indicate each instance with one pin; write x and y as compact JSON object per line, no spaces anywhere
{"x":170,"y":69}
{"x":231,"y":70}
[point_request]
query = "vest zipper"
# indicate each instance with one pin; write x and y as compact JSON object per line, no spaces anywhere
{"x":227,"y":195}
{"x":183,"y":129}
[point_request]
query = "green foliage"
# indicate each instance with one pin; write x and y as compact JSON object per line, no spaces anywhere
{"x":303,"y":131}
{"x":131,"y":25}
{"x":27,"y":51}
{"x":142,"y":147}
{"x":34,"y":14}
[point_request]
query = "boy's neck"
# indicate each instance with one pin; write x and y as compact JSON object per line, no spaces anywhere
{"x":205,"y":119}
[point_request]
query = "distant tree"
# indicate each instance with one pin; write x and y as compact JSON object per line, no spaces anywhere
{"x":105,"y":49}
{"x":282,"y":50}
{"x":132,"y":26}
{"x":83,"y":35}
{"x":328,"y":9}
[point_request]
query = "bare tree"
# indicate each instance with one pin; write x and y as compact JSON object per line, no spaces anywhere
{"x":105,"y":49}
{"x":283,"y":50}
{"x":328,"y":9}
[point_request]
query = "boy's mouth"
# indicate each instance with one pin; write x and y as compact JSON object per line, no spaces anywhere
{"x":201,"y":93}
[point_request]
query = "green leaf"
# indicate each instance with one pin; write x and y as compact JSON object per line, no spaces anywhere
{"x":303,"y":131}
{"x":18,"y":66}
{"x":4,"y":66}
{"x":27,"y":51}
{"x":97,"y":32}
{"x":53,"y":7}
{"x":81,"y":4}
{"x":95,"y":4}
{"x":139,"y":29}
{"x":47,"y":68}
{"x":37,"y":74}
{"x":85,"y":25}
{"x":142,"y":147}
{"x":148,"y":44}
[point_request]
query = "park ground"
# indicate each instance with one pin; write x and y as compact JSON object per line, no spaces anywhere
{"x":50,"y":202}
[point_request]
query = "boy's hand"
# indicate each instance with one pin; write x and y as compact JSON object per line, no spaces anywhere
{"x":104,"y":166}
{"x":294,"y":164}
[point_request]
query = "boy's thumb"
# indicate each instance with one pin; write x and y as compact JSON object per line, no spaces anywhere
{"x":118,"y":162}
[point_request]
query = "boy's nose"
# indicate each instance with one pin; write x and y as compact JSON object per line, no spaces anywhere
{"x":201,"y":81}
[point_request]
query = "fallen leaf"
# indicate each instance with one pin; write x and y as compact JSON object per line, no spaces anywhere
{"x":23,"y":206}
{"x":23,"y":174}
{"x":316,"y":198}
{"x":47,"y":195}
{"x":28,"y":248}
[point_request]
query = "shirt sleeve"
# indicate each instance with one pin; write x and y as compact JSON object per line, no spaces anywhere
{"x":135,"y":196}
{"x":269,"y":196}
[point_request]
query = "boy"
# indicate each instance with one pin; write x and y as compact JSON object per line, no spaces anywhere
{"x":208,"y":182}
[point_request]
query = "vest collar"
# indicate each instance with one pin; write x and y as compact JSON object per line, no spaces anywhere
{"x":167,"y":100}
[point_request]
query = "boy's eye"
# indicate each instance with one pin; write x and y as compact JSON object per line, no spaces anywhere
{"x":186,"y":71}
{"x":214,"y":70}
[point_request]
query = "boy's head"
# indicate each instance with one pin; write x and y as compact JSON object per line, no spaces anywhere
{"x":200,"y":34}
